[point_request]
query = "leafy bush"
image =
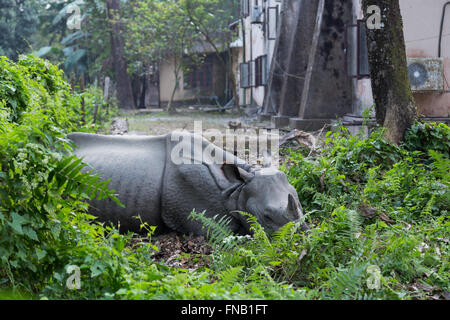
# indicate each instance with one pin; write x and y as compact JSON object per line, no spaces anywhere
{"x":379,"y":214}
{"x":381,"y":223}
{"x":42,"y":187}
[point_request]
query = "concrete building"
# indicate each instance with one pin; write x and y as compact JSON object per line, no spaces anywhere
{"x":427,"y":38}
{"x":203,"y":82}
{"x":258,"y":27}
{"x":310,"y":66}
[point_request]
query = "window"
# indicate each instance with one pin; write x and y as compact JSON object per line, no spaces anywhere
{"x":245,"y":8}
{"x":244,"y":75}
{"x":251,"y":73}
{"x":356,"y":51}
{"x":199,"y":76}
{"x":248,"y":74}
{"x":272,"y":23}
{"x":261,"y":71}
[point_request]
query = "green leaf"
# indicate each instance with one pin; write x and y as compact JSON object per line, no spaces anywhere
{"x":42,"y":52}
{"x":40,"y":253}
{"x":97,"y":269}
{"x":17,"y":222}
{"x":30,"y":233}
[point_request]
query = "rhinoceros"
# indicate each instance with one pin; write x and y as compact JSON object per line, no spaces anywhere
{"x":160,"y":183}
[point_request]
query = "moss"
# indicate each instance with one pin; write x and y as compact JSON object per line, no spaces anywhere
{"x":390,"y":80}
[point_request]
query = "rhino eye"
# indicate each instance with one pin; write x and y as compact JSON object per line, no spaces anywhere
{"x":268,"y":217}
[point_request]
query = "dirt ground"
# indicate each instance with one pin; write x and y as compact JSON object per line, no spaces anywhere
{"x":160,"y":123}
{"x":230,"y":124}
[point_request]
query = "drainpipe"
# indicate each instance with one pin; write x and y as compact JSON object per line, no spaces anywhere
{"x":251,"y":59}
{"x":441,"y":28}
{"x":243,"y":53}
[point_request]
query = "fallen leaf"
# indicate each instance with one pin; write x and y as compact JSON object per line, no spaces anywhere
{"x":425,"y":287}
{"x":385,"y":218}
{"x":367,"y":212}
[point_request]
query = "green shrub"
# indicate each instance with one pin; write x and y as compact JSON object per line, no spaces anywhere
{"x":379,"y":214}
{"x":42,"y":187}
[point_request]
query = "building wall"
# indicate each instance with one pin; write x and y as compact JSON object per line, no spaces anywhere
{"x":257,"y":44}
{"x":422,"y":19}
{"x":167,"y":82}
{"x":362,"y":88}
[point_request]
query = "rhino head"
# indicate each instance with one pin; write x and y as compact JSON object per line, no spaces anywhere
{"x":264,"y":193}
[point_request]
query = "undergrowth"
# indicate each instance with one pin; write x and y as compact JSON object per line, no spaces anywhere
{"x":379,"y":215}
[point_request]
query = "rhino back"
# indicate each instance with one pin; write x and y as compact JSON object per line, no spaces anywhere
{"x":135,"y":166}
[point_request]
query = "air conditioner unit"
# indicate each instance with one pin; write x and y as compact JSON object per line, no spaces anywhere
{"x":426,"y":74}
{"x":256,"y":14}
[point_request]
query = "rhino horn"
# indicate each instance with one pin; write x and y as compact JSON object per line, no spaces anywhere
{"x":293,"y":209}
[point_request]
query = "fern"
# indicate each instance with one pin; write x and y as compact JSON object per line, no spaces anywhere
{"x":259,"y":235}
{"x":231,"y":275}
{"x":428,"y":210}
{"x":441,"y":166}
{"x":347,"y":283}
{"x":219,"y":232}
{"x":69,"y":178}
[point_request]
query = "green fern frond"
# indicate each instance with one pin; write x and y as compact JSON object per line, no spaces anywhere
{"x":347,"y":283}
{"x":441,"y":166}
{"x":218,"y":229}
{"x":231,"y":275}
{"x":259,"y":235}
{"x":428,"y":210}
{"x":69,"y":178}
{"x":285,"y":234}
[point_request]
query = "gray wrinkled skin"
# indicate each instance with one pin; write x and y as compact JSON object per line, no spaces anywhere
{"x":163,"y":193}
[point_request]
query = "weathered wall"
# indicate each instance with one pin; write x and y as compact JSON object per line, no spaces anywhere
{"x":330,"y":90}
{"x":281,"y":56}
{"x":167,"y":82}
{"x":311,"y":60}
{"x":298,"y":49}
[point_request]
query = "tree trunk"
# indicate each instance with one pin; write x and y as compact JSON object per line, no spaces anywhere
{"x":232,"y":75}
{"x":395,"y":106}
{"x":176,"y":69}
{"x":124,"y":89}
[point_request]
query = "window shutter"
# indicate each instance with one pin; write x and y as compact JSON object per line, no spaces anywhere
{"x":245,"y":8}
{"x":264,"y":70}
{"x":244,"y":75}
{"x":272,"y":21}
{"x":258,"y":72}
{"x":251,"y":76}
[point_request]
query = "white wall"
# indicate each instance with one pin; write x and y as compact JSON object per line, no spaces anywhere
{"x":257,"y":44}
{"x":421,"y":22}
{"x":422,"y":19}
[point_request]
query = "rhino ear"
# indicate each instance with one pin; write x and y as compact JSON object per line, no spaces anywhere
{"x":233,"y":173}
{"x":229,"y":175}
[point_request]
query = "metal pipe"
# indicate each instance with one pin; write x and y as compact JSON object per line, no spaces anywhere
{"x":243,"y":90}
{"x":442,"y":27}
